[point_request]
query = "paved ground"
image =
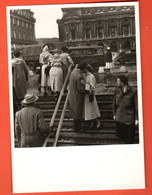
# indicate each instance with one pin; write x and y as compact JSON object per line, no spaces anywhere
{"x":105,"y":84}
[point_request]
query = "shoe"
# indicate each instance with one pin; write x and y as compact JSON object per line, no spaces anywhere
{"x":92,"y":125}
{"x":45,"y":94}
{"x":39,"y":89}
{"x":98,"y":125}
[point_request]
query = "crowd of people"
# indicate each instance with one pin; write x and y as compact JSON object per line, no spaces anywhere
{"x":30,"y":127}
{"x":54,"y":68}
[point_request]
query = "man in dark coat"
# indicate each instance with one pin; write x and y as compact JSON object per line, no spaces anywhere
{"x":76,"y":96}
{"x":125,"y":109}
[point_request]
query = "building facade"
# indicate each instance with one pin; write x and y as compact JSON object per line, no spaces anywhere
{"x":102,"y":26}
{"x":22,"y":28}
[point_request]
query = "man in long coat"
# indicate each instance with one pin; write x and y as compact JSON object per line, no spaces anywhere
{"x":125,"y":109}
{"x":76,"y":96}
{"x":20,"y":75}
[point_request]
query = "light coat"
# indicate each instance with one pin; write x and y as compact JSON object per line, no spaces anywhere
{"x":20,"y":77}
{"x":91,"y":109}
{"x":45,"y":60}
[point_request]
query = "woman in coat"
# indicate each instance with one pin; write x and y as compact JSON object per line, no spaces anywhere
{"x":91,"y":109}
{"x":56,"y":74}
{"x":45,"y":58}
{"x":20,"y":75}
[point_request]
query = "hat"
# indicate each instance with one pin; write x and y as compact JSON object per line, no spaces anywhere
{"x":30,"y":98}
{"x":82,"y":65}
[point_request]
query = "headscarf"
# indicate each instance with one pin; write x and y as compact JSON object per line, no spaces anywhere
{"x":45,"y":55}
{"x":45,"y":52}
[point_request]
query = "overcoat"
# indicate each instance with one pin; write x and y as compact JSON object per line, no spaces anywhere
{"x":76,"y":96}
{"x":108,"y":56}
{"x":29,"y":126}
{"x":20,"y":77}
{"x":45,"y":60}
{"x":91,"y":109}
{"x":125,"y":106}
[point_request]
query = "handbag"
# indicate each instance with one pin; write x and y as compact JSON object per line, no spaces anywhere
{"x":91,"y":97}
{"x":47,"y":70}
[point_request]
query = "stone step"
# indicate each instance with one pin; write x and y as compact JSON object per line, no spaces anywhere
{"x":69,"y":123}
{"x":105,"y":114}
{"x":79,"y":141}
{"x":103,"y":97}
{"x":52,"y":104}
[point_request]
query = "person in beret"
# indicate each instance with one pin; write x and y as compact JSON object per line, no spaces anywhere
{"x":125,"y":109}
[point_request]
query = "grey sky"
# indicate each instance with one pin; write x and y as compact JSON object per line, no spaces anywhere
{"x":46,"y":26}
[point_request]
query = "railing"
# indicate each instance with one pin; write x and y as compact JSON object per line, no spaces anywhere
{"x":119,"y":54}
{"x":56,"y":110}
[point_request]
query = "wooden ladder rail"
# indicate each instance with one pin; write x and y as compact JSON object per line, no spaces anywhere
{"x":57,"y":105}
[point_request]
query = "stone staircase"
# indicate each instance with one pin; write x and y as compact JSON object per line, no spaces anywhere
{"x":68,"y":137}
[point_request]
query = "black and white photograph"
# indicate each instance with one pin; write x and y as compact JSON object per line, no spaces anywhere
{"x":75,"y":97}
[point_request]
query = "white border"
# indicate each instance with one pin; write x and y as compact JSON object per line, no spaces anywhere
{"x":78,"y":168}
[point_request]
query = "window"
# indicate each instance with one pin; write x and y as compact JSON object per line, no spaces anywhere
{"x":23,"y":24}
{"x":18,"y":22}
{"x":87,"y":33}
{"x":14,"y":34}
{"x":19,"y":35}
{"x":125,"y":29}
{"x":23,"y":35}
{"x":13,"y":20}
{"x":112,"y":31}
{"x":100,"y":33}
{"x":72,"y":34}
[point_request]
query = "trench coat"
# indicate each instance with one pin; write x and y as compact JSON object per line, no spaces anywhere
{"x":76,"y":94}
{"x":20,"y":77}
{"x":45,"y":60}
{"x":91,"y":109}
{"x":30,"y":126}
{"x":125,"y":106}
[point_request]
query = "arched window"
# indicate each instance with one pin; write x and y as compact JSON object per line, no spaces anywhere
{"x":87,"y":30}
{"x":126,"y":45}
{"x":112,"y":28}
